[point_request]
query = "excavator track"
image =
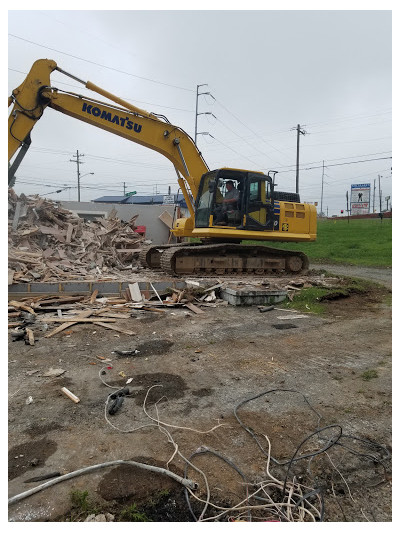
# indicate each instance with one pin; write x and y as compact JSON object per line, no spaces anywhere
{"x":150,"y":256}
{"x":228,"y":259}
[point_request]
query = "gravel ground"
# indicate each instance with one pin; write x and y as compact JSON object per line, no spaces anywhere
{"x":380,"y":275}
{"x":202,"y":367}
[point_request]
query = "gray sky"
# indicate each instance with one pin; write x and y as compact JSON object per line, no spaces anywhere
{"x":329,"y":71}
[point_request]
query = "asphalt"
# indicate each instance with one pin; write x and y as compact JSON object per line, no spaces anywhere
{"x":379,"y":275}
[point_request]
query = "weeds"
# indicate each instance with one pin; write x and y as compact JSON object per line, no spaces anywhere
{"x":82,"y":504}
{"x":132,"y":514}
{"x":369,"y":374}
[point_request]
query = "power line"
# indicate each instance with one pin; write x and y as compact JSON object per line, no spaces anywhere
{"x":127,"y":99}
{"x":252,"y":131}
{"x":350,"y":117}
{"x":100,"y":65}
{"x":348,"y":142}
{"x":339,"y":164}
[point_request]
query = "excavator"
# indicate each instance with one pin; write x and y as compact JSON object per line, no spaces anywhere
{"x":210,"y":240}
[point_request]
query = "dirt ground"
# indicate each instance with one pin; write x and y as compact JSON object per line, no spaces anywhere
{"x":329,"y":370}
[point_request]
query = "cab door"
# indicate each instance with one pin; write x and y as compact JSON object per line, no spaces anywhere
{"x":259,"y":208}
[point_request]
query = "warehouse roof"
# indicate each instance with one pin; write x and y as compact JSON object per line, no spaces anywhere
{"x":157,"y":199}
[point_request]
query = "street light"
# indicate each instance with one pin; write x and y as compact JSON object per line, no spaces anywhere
{"x":79,"y":183}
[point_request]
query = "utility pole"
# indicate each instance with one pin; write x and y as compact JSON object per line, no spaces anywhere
{"x":197,"y":107}
{"x":373,"y":203}
{"x":327,"y":212}
{"x":380,"y":193}
{"x":322,"y":187}
{"x":124,"y":188}
{"x":78,"y":162}
{"x":303,"y":132}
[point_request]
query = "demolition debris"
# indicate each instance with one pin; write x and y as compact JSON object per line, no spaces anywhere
{"x":50,"y":243}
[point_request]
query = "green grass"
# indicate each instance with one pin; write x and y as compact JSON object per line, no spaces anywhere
{"x":313,"y":299}
{"x":366,"y":242}
{"x":369,"y":374}
{"x":133,"y":514}
{"x":82,"y":505}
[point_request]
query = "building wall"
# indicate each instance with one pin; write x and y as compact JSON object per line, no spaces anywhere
{"x":156,"y":230}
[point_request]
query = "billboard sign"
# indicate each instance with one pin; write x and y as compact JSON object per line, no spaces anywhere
{"x":169,"y":199}
{"x":360,"y":199}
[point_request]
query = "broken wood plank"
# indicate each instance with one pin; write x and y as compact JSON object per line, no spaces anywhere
{"x":153,"y":309}
{"x":31,"y":337}
{"x":84,"y":314}
{"x":194,"y":308}
{"x":115,"y":328}
{"x":16,"y":215}
{"x":70,"y":229}
{"x":60,"y":300}
{"x":114,"y":315}
{"x":76,"y":319}
{"x":56,"y":232}
{"x":19,"y":305}
{"x":94,"y":296}
{"x":70,"y":395}
{"x":167,"y":219}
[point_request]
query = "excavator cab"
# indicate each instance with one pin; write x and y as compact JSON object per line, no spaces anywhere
{"x":235,"y":198}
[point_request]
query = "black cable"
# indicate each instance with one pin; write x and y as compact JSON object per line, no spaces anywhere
{"x":249,"y":430}
{"x":309,"y":495}
{"x":330,"y":443}
{"x":228,"y":461}
{"x":25,"y":112}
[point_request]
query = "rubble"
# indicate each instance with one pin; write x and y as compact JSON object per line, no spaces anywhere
{"x":50,"y":243}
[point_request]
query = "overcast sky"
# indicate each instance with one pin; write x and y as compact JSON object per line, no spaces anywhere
{"x":267,"y":71}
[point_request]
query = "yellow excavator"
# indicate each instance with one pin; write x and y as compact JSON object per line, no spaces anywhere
{"x":226,"y":206}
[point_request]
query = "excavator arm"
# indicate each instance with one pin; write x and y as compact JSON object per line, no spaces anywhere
{"x":36,"y":93}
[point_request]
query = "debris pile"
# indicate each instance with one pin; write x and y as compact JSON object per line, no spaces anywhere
{"x":31,"y":317}
{"x":49,"y":243}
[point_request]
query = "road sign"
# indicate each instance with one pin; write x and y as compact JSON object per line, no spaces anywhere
{"x":130,"y":193}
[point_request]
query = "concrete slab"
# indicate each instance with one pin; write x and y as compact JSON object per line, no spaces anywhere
{"x":252,"y":296}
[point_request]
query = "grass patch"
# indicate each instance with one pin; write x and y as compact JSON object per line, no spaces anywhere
{"x":313,"y":299}
{"x":133,"y":514}
{"x":309,"y":300}
{"x":79,"y":500}
{"x":82,"y":505}
{"x":366,"y":242}
{"x":369,"y":374}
